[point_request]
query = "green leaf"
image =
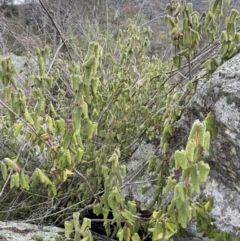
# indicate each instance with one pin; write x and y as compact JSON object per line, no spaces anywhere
{"x":233,"y":14}
{"x":17,"y":127}
{"x":105,"y":214}
{"x":177,"y":60}
{"x":180,"y":191}
{"x":97,"y":209}
{"x":224,"y":36}
{"x":165,"y":149}
{"x":60,"y":124}
{"x":209,"y":205}
{"x":28,"y":117}
{"x":211,"y":124}
{"x":68,"y":137}
{"x":126,"y":233}
{"x":206,"y":144}
{"x":42,"y":176}
{"x":4,"y":171}
{"x":201,"y":212}
{"x":128,"y":216}
{"x":123,"y":170}
{"x":120,"y":234}
{"x":186,"y":174}
{"x":24,"y":180}
{"x":170,"y":184}
{"x":171,"y":226}
{"x":194,"y":179}
{"x":218,"y":237}
{"x":76,"y":216}
{"x":132,"y":206}
{"x":135,"y":237}
{"x":144,"y":188}
{"x":86,"y":223}
{"x":105,"y":171}
{"x":168,"y":101}
{"x":17,"y":179}
{"x":152,"y":162}
{"x":11,"y":164}
{"x":203,"y":171}
{"x":182,"y":215}
{"x":190,"y":148}
{"x":68,"y":226}
{"x":114,"y":160}
{"x":158,"y":231}
{"x":116,"y":193}
{"x":184,"y":52}
{"x":197,"y":133}
{"x":180,"y":159}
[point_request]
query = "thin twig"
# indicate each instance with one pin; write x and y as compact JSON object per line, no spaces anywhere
{"x":86,"y":181}
{"x":56,"y":27}
{"x":54,"y":58}
{"x":5,"y":183}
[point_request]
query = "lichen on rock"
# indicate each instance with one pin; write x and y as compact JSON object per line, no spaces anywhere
{"x":221,"y":96}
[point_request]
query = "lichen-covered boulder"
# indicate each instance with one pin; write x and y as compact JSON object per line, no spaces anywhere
{"x":138,"y":176}
{"x":221,"y":96}
{"x":20,"y":231}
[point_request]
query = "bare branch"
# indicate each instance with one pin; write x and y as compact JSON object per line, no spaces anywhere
{"x":56,"y":27}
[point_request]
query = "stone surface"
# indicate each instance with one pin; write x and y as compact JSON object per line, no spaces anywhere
{"x":221,"y":96}
{"x":226,"y":209}
{"x":20,"y":231}
{"x":136,"y":167}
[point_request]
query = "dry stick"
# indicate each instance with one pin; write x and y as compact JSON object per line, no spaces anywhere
{"x":86,"y":181}
{"x":89,"y":207}
{"x":176,"y":71}
{"x":5,"y":184}
{"x":196,"y":58}
{"x":54,"y":58}
{"x":56,"y":27}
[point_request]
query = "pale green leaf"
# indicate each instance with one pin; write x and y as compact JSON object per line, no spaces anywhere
{"x":120,"y":234}
{"x":190,"y":148}
{"x":170,"y":184}
{"x":128,"y":216}
{"x":194,"y":179}
{"x":203,"y":171}
{"x":180,"y":159}
{"x":135,"y":237}
{"x":206,"y":144}
{"x":180,"y":191}
{"x":182,"y":215}
{"x":158,"y":231}
{"x":68,"y":227}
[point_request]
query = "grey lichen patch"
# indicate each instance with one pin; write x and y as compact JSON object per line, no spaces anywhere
{"x":37,"y":238}
{"x":233,"y":151}
{"x":227,"y":114}
{"x":226,"y":210}
{"x":58,"y":238}
{"x":221,"y":96}
{"x":20,"y":231}
{"x":133,"y":189}
{"x":231,"y":134}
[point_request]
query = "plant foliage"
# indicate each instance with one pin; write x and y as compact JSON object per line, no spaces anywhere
{"x":118,"y":100}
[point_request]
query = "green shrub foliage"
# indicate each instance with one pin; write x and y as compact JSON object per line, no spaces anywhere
{"x":188,"y":28}
{"x":117,"y":100}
